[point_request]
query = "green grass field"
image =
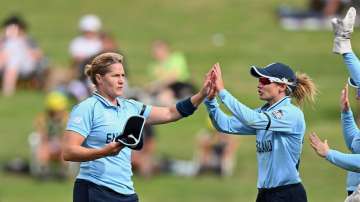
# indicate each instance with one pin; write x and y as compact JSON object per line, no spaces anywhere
{"x":252,"y":36}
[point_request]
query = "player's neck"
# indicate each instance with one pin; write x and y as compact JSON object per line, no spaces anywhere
{"x":275,"y":99}
{"x":111,"y":99}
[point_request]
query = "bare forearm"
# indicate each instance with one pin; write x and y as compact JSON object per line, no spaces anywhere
{"x":197,"y":99}
{"x":160,"y":115}
{"x":81,"y":154}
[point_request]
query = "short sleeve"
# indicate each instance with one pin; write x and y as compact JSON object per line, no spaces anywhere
{"x":80,"y":119}
{"x":142,"y":108}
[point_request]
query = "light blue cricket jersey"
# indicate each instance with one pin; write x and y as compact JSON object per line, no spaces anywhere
{"x":279,"y":130}
{"x":353,"y":64}
{"x":99,"y":121}
{"x":350,"y":130}
{"x":352,"y":139}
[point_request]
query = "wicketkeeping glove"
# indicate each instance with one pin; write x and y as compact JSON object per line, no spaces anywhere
{"x":132,"y":134}
{"x":342,"y":30}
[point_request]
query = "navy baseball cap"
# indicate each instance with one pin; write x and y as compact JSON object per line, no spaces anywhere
{"x":276,"y":72}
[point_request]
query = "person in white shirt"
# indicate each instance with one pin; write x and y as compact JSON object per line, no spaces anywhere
{"x":89,"y":43}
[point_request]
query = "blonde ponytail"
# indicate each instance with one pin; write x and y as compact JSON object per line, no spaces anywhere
{"x":305,"y":90}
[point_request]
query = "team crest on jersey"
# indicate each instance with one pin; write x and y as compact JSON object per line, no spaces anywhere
{"x":278,"y":114}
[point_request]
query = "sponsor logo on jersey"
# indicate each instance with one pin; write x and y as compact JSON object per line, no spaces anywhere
{"x":110,"y":137}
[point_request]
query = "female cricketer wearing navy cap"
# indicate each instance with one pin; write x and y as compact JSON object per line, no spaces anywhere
{"x":279,"y":127}
{"x":105,"y":169}
{"x":351,"y":162}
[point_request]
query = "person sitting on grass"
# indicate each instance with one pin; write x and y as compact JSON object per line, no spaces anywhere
{"x":46,"y":140}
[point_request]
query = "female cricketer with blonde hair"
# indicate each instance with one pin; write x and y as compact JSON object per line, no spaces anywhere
{"x":94,"y":125}
{"x":279,"y":127}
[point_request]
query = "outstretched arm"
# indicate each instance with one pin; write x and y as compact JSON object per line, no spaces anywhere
{"x":224,"y":123}
{"x":350,"y":162}
{"x":184,"y":108}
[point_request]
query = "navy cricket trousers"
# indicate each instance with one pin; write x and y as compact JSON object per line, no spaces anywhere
{"x":86,"y":191}
{"x":286,"y":193}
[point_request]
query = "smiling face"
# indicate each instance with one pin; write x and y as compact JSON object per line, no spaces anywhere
{"x":111,"y":85}
{"x":270,"y":91}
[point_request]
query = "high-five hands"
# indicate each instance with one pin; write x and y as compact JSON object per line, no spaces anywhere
{"x":218,"y":81}
{"x":214,"y":81}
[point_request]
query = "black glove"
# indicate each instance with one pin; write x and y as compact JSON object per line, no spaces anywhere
{"x":132,"y":134}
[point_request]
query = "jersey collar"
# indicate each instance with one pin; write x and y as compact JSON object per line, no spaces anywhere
{"x":284,"y":100}
{"x":105,"y":101}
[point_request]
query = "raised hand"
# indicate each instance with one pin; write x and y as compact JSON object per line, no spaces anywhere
{"x":207,"y":85}
{"x":321,"y":148}
{"x":342,"y":29}
{"x":219,"y":83}
{"x":212,"y":91}
{"x":344,"y":99}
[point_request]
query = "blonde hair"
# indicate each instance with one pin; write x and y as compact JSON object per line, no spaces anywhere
{"x":100,"y":65}
{"x":305,"y":90}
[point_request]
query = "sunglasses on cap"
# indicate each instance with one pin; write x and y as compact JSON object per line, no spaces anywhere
{"x":264,"y":81}
{"x":268,"y":80}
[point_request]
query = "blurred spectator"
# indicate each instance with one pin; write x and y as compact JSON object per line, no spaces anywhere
{"x":328,"y":8}
{"x":83,"y":49}
{"x":170,"y":74}
{"x":45,"y":142}
{"x":216,"y":152}
{"x":108,"y":43}
{"x":88,"y":43}
{"x":20,"y":57}
{"x":318,"y":14}
{"x":143,"y":161}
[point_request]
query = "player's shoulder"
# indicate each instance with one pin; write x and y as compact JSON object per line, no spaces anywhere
{"x":130,"y":102}
{"x":86,"y":104}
